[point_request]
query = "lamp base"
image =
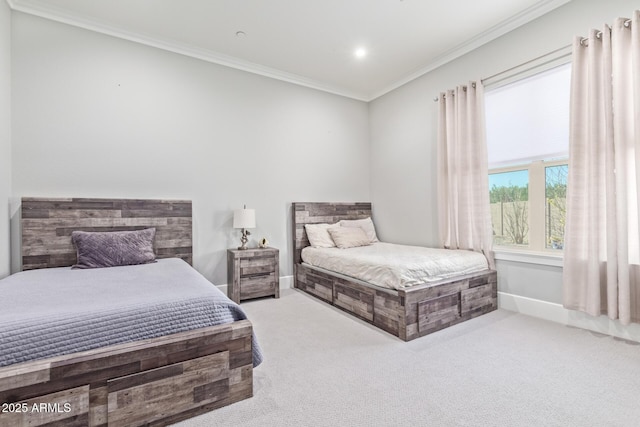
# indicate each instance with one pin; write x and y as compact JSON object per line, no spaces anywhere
{"x":244,"y":240}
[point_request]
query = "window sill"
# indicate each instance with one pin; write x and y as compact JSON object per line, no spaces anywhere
{"x":529,"y":257}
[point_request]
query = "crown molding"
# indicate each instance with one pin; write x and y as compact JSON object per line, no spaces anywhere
{"x":533,"y":12}
{"x":46,"y":11}
{"x":55,"y":14}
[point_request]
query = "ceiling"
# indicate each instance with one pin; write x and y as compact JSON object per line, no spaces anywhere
{"x":307,"y":42}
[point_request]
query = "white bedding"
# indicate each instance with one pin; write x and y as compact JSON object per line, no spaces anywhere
{"x":396,"y":266}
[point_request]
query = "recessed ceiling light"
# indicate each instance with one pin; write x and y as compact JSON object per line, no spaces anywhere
{"x":241,"y":34}
{"x":360,"y":53}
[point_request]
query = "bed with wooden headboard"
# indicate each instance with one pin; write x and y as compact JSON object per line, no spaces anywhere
{"x":156,"y":381}
{"x":406,"y":313}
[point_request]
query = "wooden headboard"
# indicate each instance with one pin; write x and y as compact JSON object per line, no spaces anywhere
{"x":47,"y":225}
{"x":315,"y":213}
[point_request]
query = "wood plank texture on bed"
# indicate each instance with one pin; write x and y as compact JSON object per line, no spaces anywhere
{"x":407,"y":313}
{"x":153,"y":382}
{"x":317,"y":213}
{"x":47,"y":224}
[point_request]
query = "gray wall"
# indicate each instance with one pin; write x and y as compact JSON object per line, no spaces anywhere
{"x":5,"y":135}
{"x":403,"y":135}
{"x":98,"y":116}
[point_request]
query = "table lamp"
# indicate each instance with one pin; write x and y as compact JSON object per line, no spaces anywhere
{"x":244,"y":218}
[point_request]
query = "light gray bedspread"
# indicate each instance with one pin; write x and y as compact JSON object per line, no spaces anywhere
{"x":56,"y":311}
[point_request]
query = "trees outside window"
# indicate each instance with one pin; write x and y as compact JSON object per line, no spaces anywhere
{"x":528,"y":205}
{"x":509,"y":198}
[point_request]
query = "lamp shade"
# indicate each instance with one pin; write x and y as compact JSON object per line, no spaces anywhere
{"x":244,"y":218}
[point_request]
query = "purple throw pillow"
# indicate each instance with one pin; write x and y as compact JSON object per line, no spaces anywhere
{"x":112,"y":249}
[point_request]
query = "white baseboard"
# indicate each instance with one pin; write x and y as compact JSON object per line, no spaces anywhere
{"x":286,"y":282}
{"x":557,"y":313}
{"x":542,"y":310}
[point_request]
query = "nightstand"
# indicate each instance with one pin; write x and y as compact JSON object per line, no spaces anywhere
{"x":252,"y":273}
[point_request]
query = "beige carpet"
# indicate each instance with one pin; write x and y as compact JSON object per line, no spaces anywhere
{"x":324,"y":368}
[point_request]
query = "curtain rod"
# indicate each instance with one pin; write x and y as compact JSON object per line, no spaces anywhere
{"x":517,"y":66}
{"x":627,"y":24}
{"x":584,"y":41}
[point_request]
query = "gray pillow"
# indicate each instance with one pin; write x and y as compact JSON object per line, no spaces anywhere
{"x":112,"y":249}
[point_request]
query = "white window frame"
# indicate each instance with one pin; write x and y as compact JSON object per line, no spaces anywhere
{"x":536,"y":252}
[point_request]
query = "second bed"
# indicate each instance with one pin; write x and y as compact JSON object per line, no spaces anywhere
{"x":385,"y":284}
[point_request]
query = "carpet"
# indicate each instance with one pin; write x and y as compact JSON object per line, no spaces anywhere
{"x":323,"y":367}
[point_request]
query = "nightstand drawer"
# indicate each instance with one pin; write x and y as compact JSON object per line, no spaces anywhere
{"x":253,"y":266}
{"x":256,"y":270}
{"x":258,"y":286}
{"x":257,"y":262}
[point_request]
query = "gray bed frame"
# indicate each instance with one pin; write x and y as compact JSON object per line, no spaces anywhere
{"x":154,"y":382}
{"x":407,"y":313}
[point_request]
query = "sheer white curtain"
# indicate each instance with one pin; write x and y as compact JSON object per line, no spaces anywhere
{"x":463,"y":181}
{"x":601,"y":254}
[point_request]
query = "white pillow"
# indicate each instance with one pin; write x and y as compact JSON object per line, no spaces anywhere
{"x":349,"y":237}
{"x":319,"y":236}
{"x":366,"y":225}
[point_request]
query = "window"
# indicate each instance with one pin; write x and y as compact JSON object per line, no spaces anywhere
{"x":509,"y":199}
{"x":528,"y":205}
{"x":556,"y":204}
{"x":527,"y":141}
